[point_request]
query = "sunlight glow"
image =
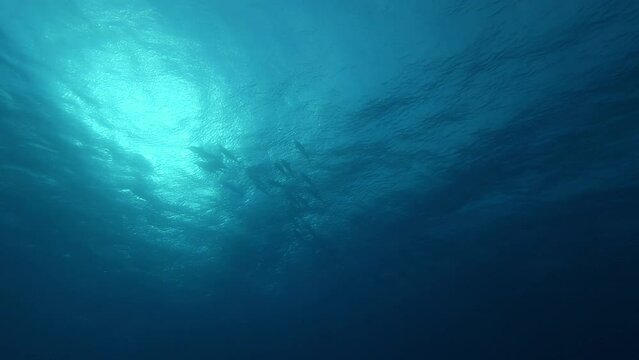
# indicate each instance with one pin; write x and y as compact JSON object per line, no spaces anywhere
{"x":128,"y":91}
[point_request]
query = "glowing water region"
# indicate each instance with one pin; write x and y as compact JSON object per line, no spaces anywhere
{"x":147,"y":110}
{"x":127,"y":89}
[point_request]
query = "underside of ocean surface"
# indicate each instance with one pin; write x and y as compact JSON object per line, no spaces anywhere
{"x":336,"y":179}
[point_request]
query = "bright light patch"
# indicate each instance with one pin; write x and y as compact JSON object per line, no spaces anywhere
{"x":132,"y":88}
{"x":147,"y":110}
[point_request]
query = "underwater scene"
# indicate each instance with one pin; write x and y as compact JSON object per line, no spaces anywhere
{"x":336,"y":179}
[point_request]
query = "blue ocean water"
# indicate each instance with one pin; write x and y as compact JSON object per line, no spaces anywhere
{"x":328,"y":179}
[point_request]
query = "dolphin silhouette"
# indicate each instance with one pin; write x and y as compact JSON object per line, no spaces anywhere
{"x":287,"y":166}
{"x":229,"y":155}
{"x":301,"y":148}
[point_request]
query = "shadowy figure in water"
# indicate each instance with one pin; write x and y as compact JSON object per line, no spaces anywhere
{"x":278,"y":166}
{"x":301,"y":149}
{"x":253,"y":173}
{"x":211,"y":163}
{"x":228,"y":154}
{"x":287,"y":167}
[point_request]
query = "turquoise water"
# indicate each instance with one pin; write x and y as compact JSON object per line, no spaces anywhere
{"x":319,"y":179}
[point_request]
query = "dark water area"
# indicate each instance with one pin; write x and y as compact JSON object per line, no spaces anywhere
{"x":319,"y":180}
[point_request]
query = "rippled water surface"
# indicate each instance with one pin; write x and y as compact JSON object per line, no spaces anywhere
{"x":319,"y":180}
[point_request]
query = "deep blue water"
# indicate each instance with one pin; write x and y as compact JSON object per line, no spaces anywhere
{"x":332,"y":179}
